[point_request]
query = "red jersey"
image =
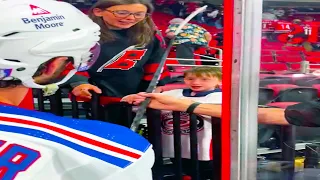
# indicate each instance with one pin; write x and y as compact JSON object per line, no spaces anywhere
{"x":268,"y":25}
{"x":311,"y":29}
{"x":282,"y":26}
{"x":297,"y":29}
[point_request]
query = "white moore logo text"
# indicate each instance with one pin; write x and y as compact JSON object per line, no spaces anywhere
{"x":45,"y":22}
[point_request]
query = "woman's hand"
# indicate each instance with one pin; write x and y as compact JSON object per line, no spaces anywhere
{"x":83,"y":91}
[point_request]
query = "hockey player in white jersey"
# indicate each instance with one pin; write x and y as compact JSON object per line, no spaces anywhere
{"x":38,"y":38}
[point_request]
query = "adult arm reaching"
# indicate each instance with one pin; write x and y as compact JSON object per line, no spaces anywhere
{"x":164,"y":102}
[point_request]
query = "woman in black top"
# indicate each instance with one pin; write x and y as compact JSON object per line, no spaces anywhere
{"x":130,"y":51}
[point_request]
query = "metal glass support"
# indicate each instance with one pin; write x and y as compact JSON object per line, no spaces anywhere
{"x":288,"y":141}
{"x":245,"y":88}
{"x":305,"y":67}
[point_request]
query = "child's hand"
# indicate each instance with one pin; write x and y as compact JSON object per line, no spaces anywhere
{"x":133,"y":99}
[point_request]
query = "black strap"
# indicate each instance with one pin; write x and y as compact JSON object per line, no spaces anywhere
{"x":192,"y":107}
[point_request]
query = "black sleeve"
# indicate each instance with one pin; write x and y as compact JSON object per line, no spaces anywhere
{"x":75,"y":81}
{"x":304,"y":114}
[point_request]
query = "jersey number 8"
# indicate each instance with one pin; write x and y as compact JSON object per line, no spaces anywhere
{"x":15,"y":159}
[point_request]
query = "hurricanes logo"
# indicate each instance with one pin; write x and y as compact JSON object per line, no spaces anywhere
{"x":167,"y":123}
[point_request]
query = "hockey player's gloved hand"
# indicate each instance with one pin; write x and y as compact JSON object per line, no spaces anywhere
{"x":83,"y":91}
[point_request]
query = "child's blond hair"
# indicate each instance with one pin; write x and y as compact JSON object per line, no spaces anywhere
{"x":205,"y":71}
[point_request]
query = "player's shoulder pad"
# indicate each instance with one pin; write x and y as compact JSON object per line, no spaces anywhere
{"x":86,"y":130}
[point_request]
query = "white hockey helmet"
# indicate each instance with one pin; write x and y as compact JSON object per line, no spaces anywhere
{"x":35,"y":31}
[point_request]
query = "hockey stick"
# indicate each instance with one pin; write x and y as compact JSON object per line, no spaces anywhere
{"x":153,"y":83}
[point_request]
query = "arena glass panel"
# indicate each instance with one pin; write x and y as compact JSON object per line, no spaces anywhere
{"x":244,"y":91}
{"x":289,"y":66}
{"x":165,"y":11}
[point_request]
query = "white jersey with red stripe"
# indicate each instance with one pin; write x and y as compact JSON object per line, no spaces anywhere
{"x":41,"y":146}
{"x":204,"y":130}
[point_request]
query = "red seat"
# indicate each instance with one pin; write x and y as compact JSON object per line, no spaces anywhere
{"x":266,"y":52}
{"x":295,"y":66}
{"x":288,"y":59}
{"x":282,"y":105}
{"x":279,"y":87}
{"x":295,"y":48}
{"x":273,"y":66}
{"x":313,"y":59}
{"x":172,"y":54}
{"x":267,"y":58}
{"x":273,"y":46}
{"x":213,"y":43}
{"x":172,"y":61}
{"x":313,"y":53}
{"x":317,"y":86}
{"x":288,"y":53}
{"x":198,"y":58}
{"x":315,"y":66}
{"x":169,"y":87}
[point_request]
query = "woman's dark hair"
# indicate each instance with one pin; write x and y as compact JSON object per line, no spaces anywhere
{"x":141,"y":33}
